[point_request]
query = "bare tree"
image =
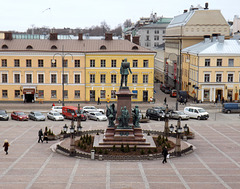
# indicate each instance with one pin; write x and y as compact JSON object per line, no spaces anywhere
{"x":127,"y":23}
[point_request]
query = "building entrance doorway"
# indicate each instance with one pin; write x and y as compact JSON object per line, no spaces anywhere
{"x":29,"y":95}
{"x":219,"y":93}
{"x":92,"y":95}
{"x":145,"y":96}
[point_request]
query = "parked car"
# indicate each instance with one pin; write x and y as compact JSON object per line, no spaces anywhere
{"x":195,"y":112}
{"x":182,"y":96}
{"x":231,"y":108}
{"x":70,"y":112}
{"x":173,"y":93}
{"x":162,"y":87}
{"x":98,"y":116}
{"x":3,"y":115}
{"x":36,"y":116}
{"x":55,"y":116}
{"x":167,"y":90}
{"x":93,"y":109}
{"x":57,"y":109}
{"x":163,"y":108}
{"x":178,"y":114}
{"x":20,"y":116}
{"x":156,"y":114}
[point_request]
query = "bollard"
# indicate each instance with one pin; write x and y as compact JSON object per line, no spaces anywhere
{"x":150,"y":157}
{"x":92,"y":154}
{"x":100,"y":158}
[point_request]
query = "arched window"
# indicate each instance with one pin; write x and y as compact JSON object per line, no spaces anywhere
{"x":54,"y":47}
{"x":134,"y":48}
{"x":4,"y":47}
{"x":103,"y":47}
{"x":29,"y":47}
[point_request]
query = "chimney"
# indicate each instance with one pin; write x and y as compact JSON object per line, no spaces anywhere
{"x":80,"y":36}
{"x":206,"y":6}
{"x":53,"y":36}
{"x":184,"y":11}
{"x":8,"y":36}
{"x":135,"y":40}
{"x":221,"y":38}
{"x":206,"y":38}
{"x":108,"y":36}
{"x":127,"y":37}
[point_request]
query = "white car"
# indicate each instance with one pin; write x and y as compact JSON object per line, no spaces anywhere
{"x":57,"y":109}
{"x":93,"y":109}
{"x":97,"y":116}
{"x":196,"y":112}
{"x":55,"y":116}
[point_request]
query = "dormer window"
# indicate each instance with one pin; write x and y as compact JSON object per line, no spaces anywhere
{"x":29,"y":47}
{"x":134,"y":48}
{"x":4,"y":47}
{"x":54,"y":47}
{"x":103,"y":47}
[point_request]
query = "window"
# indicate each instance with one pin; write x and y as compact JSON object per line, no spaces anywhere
{"x":16,"y":78}
{"x":219,"y":78}
{"x":4,"y":78}
{"x":65,"y":63}
{"x":92,"y":78}
{"x":113,"y":78}
{"x":16,"y":63}
{"x":147,"y":31}
{"x":230,"y":62}
{"x":145,"y":78}
{"x":77,"y":63}
{"x":53,"y":94}
{"x":135,"y":63}
{"x":65,"y":78}
{"x":40,"y":93}
{"x":53,"y":78}
{"x":53,"y":63}
{"x":4,"y":62}
{"x":207,"y":78}
{"x":156,"y":38}
{"x":156,"y":31}
{"x":103,"y":78}
{"x":207,"y":62}
{"x":156,"y":44}
{"x":147,"y":38}
{"x":102,"y":94}
{"x":40,"y":63}
{"x":28,"y":63}
{"x":77,"y":94}
{"x":4,"y":93}
{"x":103,"y":63}
{"x":40,"y":78}
{"x":113,"y":93}
{"x":92,"y":63}
{"x":145,"y":63}
{"x":114,"y":63}
{"x":135,"y":94}
{"x":77,"y":78}
{"x":65,"y":93}
{"x":219,"y":62}
{"x":163,"y":31}
{"x":29,"y":78}
{"x":134,"y":78}
{"x":230,"y":78}
{"x":17,"y":93}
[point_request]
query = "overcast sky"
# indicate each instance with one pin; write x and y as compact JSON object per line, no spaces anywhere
{"x":20,"y":15}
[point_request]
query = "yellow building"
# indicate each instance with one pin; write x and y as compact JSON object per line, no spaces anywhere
{"x":211,"y":70}
{"x":31,"y":70}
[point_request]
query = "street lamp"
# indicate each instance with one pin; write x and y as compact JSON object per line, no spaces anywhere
{"x":79,"y":127}
{"x":65,"y":128}
{"x":62,"y":54}
{"x":186,"y":129}
{"x":72,"y":140}
{"x":166,"y":129}
{"x":178,"y":138}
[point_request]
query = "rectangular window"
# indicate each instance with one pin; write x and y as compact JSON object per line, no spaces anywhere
{"x":103,"y":78}
{"x":40,"y":93}
{"x":219,"y":62}
{"x":28,"y":63}
{"x":134,"y":78}
{"x":92,"y":78}
{"x":135,"y":63}
{"x":4,"y":93}
{"x":40,"y":63}
{"x":65,"y":93}
{"x":53,"y":94}
{"x":135,"y":94}
{"x":92,"y":63}
{"x":114,"y":63}
{"x":230,"y":62}
{"x":65,"y":78}
{"x":113,"y":78}
{"x":77,"y":94}
{"x":4,"y":62}
{"x":16,"y":78}
{"x":156,"y":38}
{"x":77,"y":78}
{"x":145,"y":63}
{"x":40,"y":78}
{"x":207,"y":62}
{"x":147,"y":38}
{"x":219,"y":78}
{"x":16,"y":63}
{"x":156,"y":31}
{"x":103,"y":63}
{"x":17,"y":93}
{"x":103,"y":94}
{"x":113,"y":94}
{"x":4,"y":78}
{"x":230,"y":78}
{"x":53,"y":78}
{"x":77,"y":63}
{"x":53,"y":63}
{"x":65,"y":63}
{"x":29,"y":78}
{"x":207,"y":78}
{"x":145,"y":78}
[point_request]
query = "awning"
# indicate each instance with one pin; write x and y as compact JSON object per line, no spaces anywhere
{"x":28,"y":91}
{"x":134,"y":91}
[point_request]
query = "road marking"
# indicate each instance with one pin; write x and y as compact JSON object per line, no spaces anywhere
{"x":108,"y":176}
{"x":70,"y":180}
{"x":143,"y":175}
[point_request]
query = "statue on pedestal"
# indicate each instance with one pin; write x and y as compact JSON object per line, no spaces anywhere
{"x":124,"y":118}
{"x":124,"y":71}
{"x":111,"y":115}
{"x":136,"y":118}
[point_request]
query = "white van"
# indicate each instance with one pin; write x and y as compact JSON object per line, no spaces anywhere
{"x":196,"y":112}
{"x":57,"y":109}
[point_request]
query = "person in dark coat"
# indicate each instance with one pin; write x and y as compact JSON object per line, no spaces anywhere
{"x":45,"y":136}
{"x":6,"y":145}
{"x":164,"y":153}
{"x":98,"y":102}
{"x":222,"y":100}
{"x":40,"y":134}
{"x":165,"y":100}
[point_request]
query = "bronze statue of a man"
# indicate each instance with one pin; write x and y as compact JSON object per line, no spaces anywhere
{"x":124,"y":71}
{"x":124,"y":118}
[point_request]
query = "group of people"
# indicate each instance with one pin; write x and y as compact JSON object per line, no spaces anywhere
{"x":42,"y":136}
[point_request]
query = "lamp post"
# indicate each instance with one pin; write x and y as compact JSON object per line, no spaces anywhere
{"x":178,"y":138}
{"x":62,"y":54}
{"x":79,"y":127}
{"x":72,"y":140}
{"x":166,"y":129}
{"x":185,"y":131}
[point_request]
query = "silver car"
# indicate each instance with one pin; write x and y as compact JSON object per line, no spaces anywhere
{"x":98,"y":116}
{"x":178,"y":114}
{"x":55,"y":116}
{"x":36,"y":116}
{"x":93,"y":109}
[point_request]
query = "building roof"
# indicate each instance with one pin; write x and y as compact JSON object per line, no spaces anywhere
{"x":215,"y":48}
{"x":181,"y":19}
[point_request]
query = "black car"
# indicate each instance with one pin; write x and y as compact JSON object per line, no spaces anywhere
{"x":162,"y":108}
{"x":156,"y":114}
{"x":3,"y":115}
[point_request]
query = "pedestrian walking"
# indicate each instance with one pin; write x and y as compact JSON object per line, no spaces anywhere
{"x":165,"y":100}
{"x":40,"y":134}
{"x":164,"y":153}
{"x":222,"y":100}
{"x":98,"y":102}
{"x":45,"y":136}
{"x":6,"y":145}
